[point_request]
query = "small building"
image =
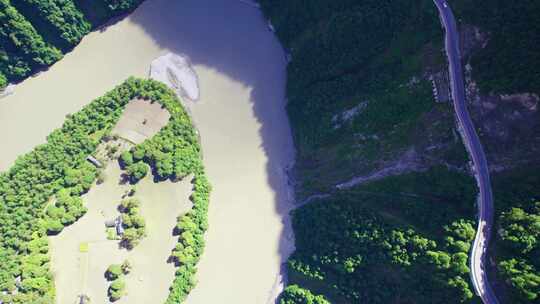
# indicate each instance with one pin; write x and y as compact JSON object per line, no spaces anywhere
{"x":94,"y":161}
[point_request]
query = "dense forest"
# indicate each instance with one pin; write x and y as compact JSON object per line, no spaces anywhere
{"x":58,"y":169}
{"x":358,"y":89}
{"x":516,"y":248}
{"x":359,"y":99}
{"x":403,"y":238}
{"x":510,"y":61}
{"x":35,"y":33}
{"x":294,"y":294}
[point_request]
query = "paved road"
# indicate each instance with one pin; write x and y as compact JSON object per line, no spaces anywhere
{"x":474,"y":147}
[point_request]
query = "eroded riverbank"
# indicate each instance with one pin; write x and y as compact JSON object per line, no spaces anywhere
{"x":240,"y":115}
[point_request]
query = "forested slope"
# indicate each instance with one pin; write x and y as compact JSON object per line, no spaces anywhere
{"x":516,"y":246}
{"x":35,"y":33}
{"x":359,"y":91}
{"x":508,"y":62}
{"x":402,"y":239}
{"x":361,"y":106}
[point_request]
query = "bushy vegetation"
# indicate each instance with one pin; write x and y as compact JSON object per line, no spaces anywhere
{"x":59,"y":169}
{"x":122,"y":5}
{"x":516,"y":245}
{"x":115,"y":273}
{"x":351,"y":253}
{"x":524,"y":277}
{"x":403,"y":238}
{"x":294,"y":294}
{"x":358,"y":97}
{"x":68,"y":207}
{"x":100,"y":11}
{"x":33,"y":32}
{"x":346,"y":52}
{"x":22,"y":49}
{"x":520,"y":235}
{"x":58,"y":21}
{"x":371,"y":55}
{"x":358,"y":91}
{"x":412,"y":197}
{"x":520,"y":229}
{"x":133,"y":223}
{"x":3,"y":81}
{"x":510,"y":62}
{"x":190,"y":245}
{"x":117,"y":289}
{"x":136,"y":171}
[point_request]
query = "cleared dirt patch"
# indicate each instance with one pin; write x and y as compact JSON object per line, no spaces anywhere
{"x":140,"y":120}
{"x":77,"y":272}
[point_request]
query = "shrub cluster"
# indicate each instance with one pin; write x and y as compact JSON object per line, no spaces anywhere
{"x":133,"y":223}
{"x":3,"y":81}
{"x":115,"y":273}
{"x":509,"y":61}
{"x":341,"y":248}
{"x":58,"y":21}
{"x":520,"y":235}
{"x":21,"y":47}
{"x":295,"y":294}
{"x":33,"y":33}
{"x":122,"y":5}
{"x":188,"y":251}
{"x":516,"y":245}
{"x":59,"y":168}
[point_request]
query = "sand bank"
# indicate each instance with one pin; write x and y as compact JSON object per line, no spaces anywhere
{"x":240,"y":115}
{"x":8,"y":90}
{"x":176,"y":72}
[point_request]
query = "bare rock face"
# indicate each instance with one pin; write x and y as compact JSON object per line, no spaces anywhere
{"x":508,"y":125}
{"x":176,"y":72}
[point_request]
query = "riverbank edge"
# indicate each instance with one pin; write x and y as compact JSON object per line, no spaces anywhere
{"x":121,"y":95}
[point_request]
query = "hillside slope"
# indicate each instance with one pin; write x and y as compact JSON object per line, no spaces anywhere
{"x":35,"y":33}
{"x":368,"y":104}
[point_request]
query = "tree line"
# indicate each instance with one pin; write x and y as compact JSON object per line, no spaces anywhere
{"x":351,"y":254}
{"x":294,"y":294}
{"x":133,"y":223}
{"x":22,"y":49}
{"x":403,"y":238}
{"x":346,"y":53}
{"x":509,"y":62}
{"x":58,"y":21}
{"x":35,"y":33}
{"x":115,"y":274}
{"x":516,"y":240}
{"x":40,"y":193}
{"x":520,"y":235}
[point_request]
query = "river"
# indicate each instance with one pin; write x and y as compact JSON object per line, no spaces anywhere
{"x":240,"y":114}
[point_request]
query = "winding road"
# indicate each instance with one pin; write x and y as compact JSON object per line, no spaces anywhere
{"x":474,"y":147}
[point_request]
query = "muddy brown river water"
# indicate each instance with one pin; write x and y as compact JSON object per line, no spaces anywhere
{"x":240,"y":115}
